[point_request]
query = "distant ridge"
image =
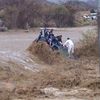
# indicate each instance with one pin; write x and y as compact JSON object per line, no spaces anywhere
{"x":79,"y":5}
{"x":92,"y":3}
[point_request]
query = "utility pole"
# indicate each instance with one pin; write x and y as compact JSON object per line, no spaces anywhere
{"x":98,"y":21}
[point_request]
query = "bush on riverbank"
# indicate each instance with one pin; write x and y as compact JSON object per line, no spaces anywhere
{"x":88,"y":46}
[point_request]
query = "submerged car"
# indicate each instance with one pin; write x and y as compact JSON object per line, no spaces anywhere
{"x":54,"y":42}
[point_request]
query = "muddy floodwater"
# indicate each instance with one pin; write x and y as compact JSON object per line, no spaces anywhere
{"x":13,"y":45}
{"x":19,"y":40}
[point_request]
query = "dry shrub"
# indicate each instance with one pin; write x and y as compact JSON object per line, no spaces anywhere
{"x":88,"y":46}
{"x":45,"y":53}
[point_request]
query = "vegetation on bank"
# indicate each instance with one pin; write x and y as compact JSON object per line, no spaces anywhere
{"x":37,"y":13}
{"x":88,"y":46}
{"x":64,"y":74}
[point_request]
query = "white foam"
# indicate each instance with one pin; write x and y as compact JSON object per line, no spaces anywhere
{"x":19,"y":58}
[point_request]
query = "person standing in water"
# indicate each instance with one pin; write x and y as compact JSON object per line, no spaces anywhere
{"x":69,"y":44}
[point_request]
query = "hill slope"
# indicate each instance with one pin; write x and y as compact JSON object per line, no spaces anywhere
{"x":79,"y":5}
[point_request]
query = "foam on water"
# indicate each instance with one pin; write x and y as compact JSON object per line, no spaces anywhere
{"x":20,"y":58}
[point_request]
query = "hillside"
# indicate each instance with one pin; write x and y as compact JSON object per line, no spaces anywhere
{"x":93,"y":3}
{"x":79,"y":5}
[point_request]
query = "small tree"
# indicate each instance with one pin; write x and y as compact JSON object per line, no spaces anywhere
{"x":61,"y":16}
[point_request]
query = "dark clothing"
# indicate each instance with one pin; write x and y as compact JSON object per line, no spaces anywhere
{"x":46,"y":35}
{"x":55,"y":43}
{"x":51,"y":35}
{"x":39,"y":37}
{"x":59,"y":38}
{"x":50,"y":39}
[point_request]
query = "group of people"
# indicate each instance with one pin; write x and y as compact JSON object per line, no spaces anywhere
{"x":55,"y":42}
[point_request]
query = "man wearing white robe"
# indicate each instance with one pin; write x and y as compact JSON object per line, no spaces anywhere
{"x":70,"y":46}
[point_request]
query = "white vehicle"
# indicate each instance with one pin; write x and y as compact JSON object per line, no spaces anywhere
{"x":86,"y":17}
{"x":90,"y":17}
{"x":93,"y":17}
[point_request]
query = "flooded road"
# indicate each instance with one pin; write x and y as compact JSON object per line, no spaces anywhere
{"x":20,"y":58}
{"x":19,"y":40}
{"x":14,"y":43}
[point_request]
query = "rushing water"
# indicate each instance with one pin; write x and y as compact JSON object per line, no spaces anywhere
{"x":20,"y":58}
